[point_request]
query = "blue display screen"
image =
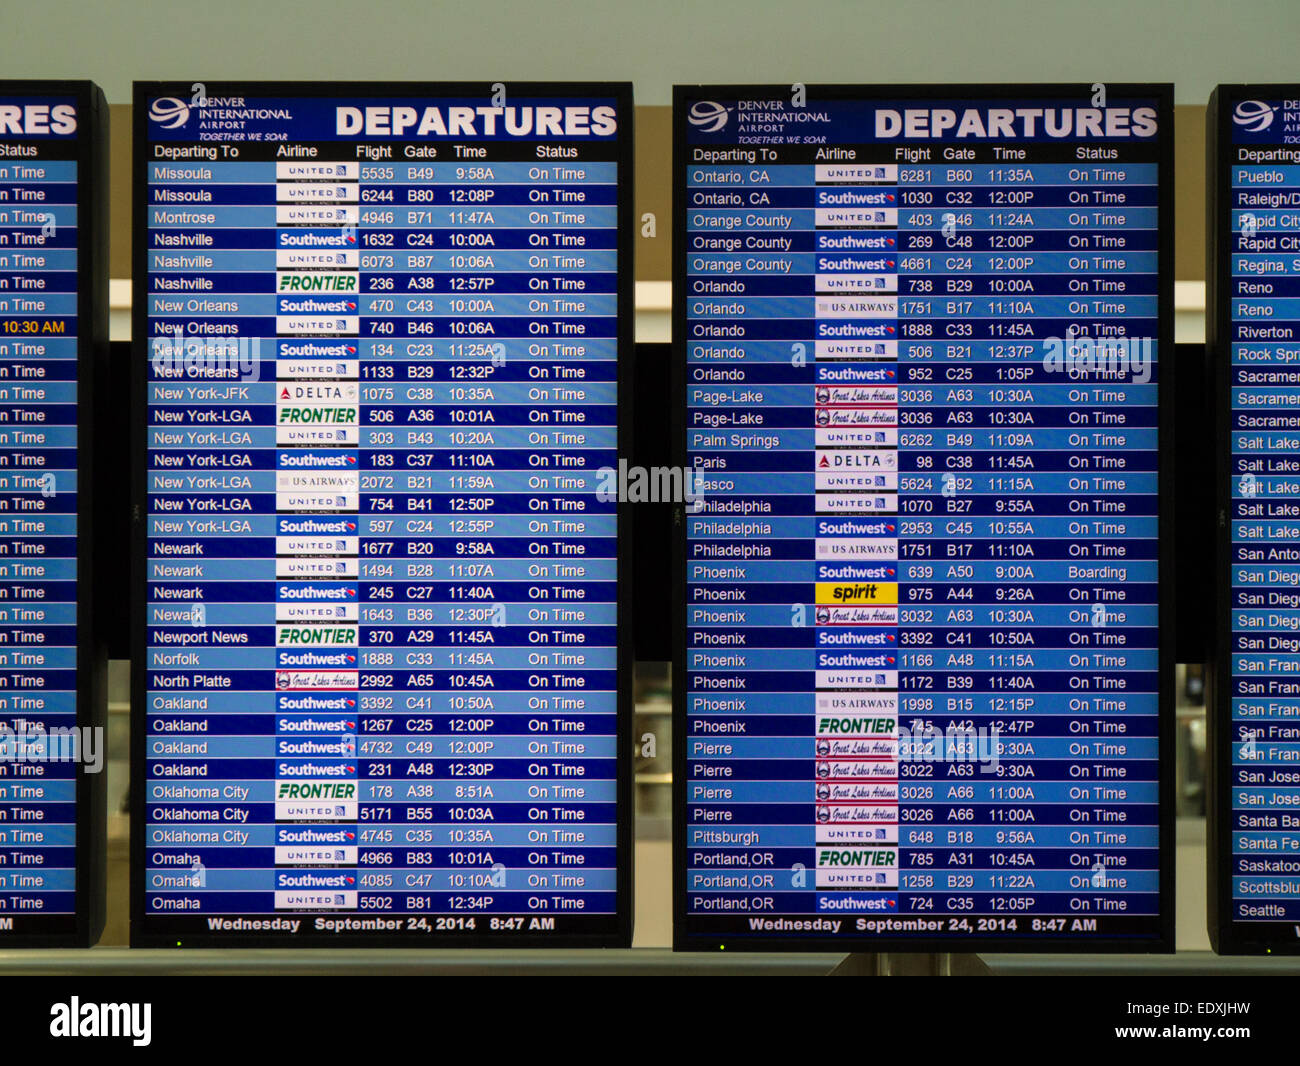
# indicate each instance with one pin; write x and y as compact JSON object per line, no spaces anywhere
{"x":1263,"y":355}
{"x":382,"y":664}
{"x":920,"y":340}
{"x":41,"y":742}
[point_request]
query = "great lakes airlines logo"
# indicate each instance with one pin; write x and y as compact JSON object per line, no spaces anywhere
{"x":1255,"y":115}
{"x":169,"y":112}
{"x":708,"y":116}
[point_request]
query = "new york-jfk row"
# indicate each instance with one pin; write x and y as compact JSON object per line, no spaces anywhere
{"x":248,"y":395}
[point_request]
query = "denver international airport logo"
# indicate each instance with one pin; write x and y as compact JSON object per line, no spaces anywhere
{"x":708,"y":116}
{"x":169,"y":112}
{"x":1254,"y":115}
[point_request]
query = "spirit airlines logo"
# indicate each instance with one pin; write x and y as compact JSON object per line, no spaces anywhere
{"x":708,"y":115}
{"x":169,"y":112}
{"x":1254,"y":115}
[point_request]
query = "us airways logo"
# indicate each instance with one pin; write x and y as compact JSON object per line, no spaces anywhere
{"x":708,"y":116}
{"x":1253,"y":115}
{"x":169,"y":112}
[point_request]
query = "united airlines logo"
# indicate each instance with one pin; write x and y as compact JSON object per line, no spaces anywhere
{"x":708,"y":116}
{"x":1255,"y":115}
{"x":169,"y":112}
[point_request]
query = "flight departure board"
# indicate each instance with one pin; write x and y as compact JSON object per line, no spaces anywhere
{"x":924,"y":676}
{"x":53,"y":338}
{"x":1253,"y":327}
{"x":381,"y":693}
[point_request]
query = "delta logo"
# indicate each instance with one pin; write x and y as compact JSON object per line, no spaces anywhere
{"x":318,"y":391}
